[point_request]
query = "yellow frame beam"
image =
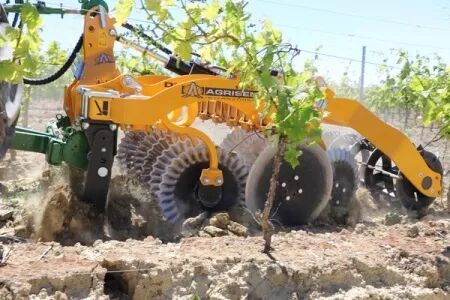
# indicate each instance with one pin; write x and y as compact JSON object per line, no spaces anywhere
{"x":391,"y":141}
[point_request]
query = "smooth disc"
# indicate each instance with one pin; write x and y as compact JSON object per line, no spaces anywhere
{"x":302,"y":192}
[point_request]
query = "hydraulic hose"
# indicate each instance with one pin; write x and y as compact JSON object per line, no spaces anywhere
{"x":61,"y":71}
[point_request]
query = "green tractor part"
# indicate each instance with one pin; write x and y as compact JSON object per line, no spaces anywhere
{"x":60,"y":143}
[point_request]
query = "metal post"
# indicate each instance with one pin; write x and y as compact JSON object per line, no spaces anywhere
{"x":363,"y":69}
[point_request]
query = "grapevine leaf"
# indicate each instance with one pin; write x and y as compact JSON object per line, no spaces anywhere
{"x":123,"y":10}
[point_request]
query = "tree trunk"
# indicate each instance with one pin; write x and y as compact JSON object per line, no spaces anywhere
{"x":266,"y":225}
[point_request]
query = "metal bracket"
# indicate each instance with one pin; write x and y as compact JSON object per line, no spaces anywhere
{"x":103,"y":142}
{"x":72,"y":148}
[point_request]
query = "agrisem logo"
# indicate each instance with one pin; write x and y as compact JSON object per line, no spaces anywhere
{"x":193,"y":90}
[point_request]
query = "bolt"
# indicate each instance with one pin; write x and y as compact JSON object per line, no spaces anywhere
{"x":138,"y":90}
{"x":103,"y":149}
{"x":82,"y":90}
{"x":300,"y":191}
{"x":337,"y":202}
{"x":219,"y":181}
{"x":288,"y":198}
{"x":343,"y":190}
{"x":102,"y":172}
{"x":85,"y":125}
{"x":337,"y":184}
{"x":113,"y":127}
{"x":283,"y":184}
{"x":296,"y":177}
{"x":205,"y":180}
{"x":113,"y":32}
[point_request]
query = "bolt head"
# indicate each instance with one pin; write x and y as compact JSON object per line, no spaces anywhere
{"x":206,"y":180}
{"x":219,"y":181}
{"x":296,"y":178}
{"x":85,"y":125}
{"x":113,"y":127}
{"x":427,"y":182}
{"x":102,"y":172}
{"x":113,"y":32}
{"x":103,"y":149}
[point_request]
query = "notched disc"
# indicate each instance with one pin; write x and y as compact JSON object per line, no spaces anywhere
{"x":345,"y":182}
{"x":175,"y":180}
{"x":126,"y":151}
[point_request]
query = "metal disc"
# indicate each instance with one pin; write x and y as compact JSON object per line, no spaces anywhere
{"x":361,"y":150}
{"x":148,"y":150}
{"x":126,"y":151}
{"x":302,"y":193}
{"x":138,"y":151}
{"x":175,"y":180}
{"x":248,"y":145}
{"x":329,"y":136}
{"x":345,"y":182}
{"x":380,"y":173}
{"x":408,"y":194}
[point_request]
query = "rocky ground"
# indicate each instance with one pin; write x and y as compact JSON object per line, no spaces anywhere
{"x":53,"y":247}
{"x":408,"y":260}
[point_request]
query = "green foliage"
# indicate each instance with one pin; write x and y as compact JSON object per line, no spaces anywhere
{"x":123,"y":10}
{"x":222,"y":33}
{"x":421,"y":84}
{"x":346,"y":87}
{"x":50,"y":61}
{"x":131,"y":63}
{"x":25,"y":42}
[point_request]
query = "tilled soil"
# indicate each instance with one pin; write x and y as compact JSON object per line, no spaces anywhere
{"x":374,"y":261}
{"x":53,"y":247}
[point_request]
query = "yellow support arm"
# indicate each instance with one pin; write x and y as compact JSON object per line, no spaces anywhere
{"x":392,"y":142}
{"x":105,"y":103}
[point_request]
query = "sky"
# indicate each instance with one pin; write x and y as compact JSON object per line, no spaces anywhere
{"x":339,"y":27}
